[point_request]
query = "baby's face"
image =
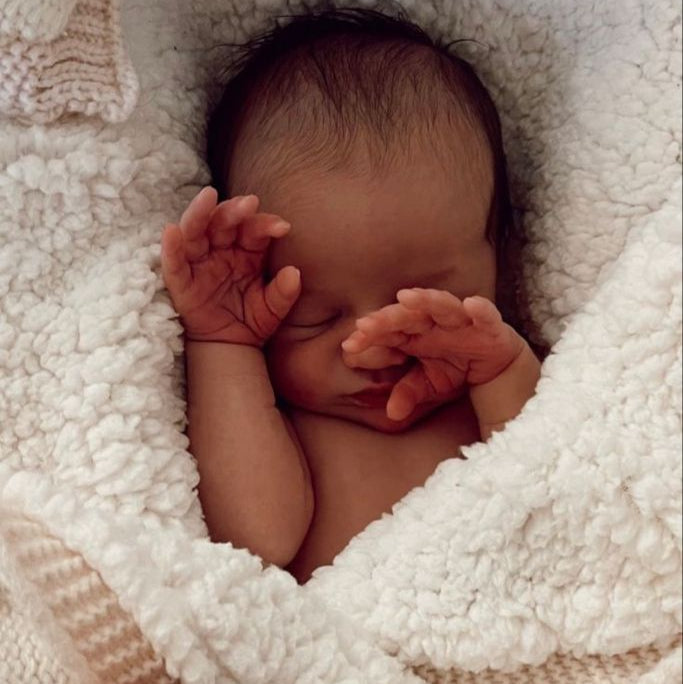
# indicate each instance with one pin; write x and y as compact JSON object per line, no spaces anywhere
{"x":356,"y":244}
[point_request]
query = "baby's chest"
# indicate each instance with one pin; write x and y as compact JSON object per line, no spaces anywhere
{"x":358,"y":474}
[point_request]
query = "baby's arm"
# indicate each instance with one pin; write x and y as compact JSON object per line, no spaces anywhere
{"x":501,"y":399}
{"x":457,"y":343}
{"x":255,"y":486}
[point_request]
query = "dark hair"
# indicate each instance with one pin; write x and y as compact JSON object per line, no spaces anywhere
{"x":323,"y":47}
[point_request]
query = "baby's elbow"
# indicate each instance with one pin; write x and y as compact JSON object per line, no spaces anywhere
{"x":277,"y":541}
{"x":278,"y":550}
{"x":277,"y":554}
{"x":281,"y":547}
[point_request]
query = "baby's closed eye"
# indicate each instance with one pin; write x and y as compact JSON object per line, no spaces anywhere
{"x":308,"y":318}
{"x":310,"y":323}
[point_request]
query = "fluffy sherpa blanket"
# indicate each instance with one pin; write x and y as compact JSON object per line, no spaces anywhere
{"x":555,"y":548}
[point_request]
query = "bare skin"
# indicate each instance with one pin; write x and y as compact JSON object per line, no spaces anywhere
{"x":335,"y":358}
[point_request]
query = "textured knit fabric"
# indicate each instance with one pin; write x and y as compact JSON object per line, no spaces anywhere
{"x":561,"y":535}
{"x":80,"y":604}
{"x":115,"y":651}
{"x":60,"y":58}
{"x":23,"y":658}
{"x":625,"y":668}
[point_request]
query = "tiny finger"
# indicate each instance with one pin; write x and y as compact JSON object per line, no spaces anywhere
{"x":361,"y":339}
{"x":256,"y":232}
{"x":227,"y":216}
{"x":174,"y":266}
{"x":196,"y":216}
{"x":445,"y":308}
{"x":194,"y":222}
{"x":412,"y":389}
{"x":282,"y":292}
{"x":402,"y":402}
{"x":241,"y":206}
{"x":374,"y":357}
{"x":482,"y":311}
{"x":356,"y":342}
{"x":265,"y":307}
{"x":394,"y":317}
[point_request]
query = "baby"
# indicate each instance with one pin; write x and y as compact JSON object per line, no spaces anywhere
{"x":340,"y":333}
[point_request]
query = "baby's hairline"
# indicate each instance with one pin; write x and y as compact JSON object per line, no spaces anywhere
{"x":353,"y":97}
{"x":332,"y":133}
{"x":264,"y":175}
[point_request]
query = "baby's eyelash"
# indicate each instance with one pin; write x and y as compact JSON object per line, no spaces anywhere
{"x":314,"y":325}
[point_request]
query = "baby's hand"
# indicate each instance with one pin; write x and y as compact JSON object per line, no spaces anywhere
{"x":212,"y":264}
{"x":455,"y":342}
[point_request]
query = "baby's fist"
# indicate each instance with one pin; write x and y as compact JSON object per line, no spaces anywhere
{"x":470,"y":333}
{"x":213,"y":266}
{"x":455,"y":342}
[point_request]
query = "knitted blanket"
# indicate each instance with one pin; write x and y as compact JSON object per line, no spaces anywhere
{"x":63,"y":56}
{"x":553,"y":554}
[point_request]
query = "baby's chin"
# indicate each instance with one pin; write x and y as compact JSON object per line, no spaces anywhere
{"x":371,"y":417}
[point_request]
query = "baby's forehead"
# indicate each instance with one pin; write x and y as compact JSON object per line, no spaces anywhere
{"x":410,"y":221}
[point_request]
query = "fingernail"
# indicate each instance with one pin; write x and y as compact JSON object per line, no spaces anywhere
{"x":208,"y":190}
{"x":281,"y":226}
{"x":243,"y":201}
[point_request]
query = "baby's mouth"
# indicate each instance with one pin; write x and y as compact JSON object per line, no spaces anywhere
{"x":372,"y":397}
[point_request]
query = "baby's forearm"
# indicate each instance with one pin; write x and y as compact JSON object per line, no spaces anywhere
{"x":501,"y":399}
{"x":255,"y":486}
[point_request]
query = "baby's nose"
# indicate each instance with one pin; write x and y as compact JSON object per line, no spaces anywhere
{"x":380,"y":364}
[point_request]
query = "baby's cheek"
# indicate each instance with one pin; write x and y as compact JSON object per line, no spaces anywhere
{"x":297,"y":371}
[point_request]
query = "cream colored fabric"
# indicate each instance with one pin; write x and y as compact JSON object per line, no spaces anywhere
{"x":60,"y":58}
{"x":23,"y":658}
{"x":109,"y":645}
{"x":626,"y":668}
{"x":115,"y":651}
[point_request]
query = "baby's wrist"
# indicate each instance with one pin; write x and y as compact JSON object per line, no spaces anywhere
{"x":518,"y":348}
{"x":501,"y":398}
{"x":219,"y":338}
{"x":234,"y":362}
{"x":212,"y":339}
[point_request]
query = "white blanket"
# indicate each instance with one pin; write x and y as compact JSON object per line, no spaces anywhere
{"x":558,"y":539}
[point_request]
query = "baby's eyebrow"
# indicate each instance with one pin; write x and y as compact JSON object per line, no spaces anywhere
{"x":443,"y":273}
{"x":310,"y":290}
{"x":312,"y":298}
{"x":433,"y":277}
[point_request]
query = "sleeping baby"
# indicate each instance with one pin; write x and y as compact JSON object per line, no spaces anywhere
{"x":341,"y":334}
